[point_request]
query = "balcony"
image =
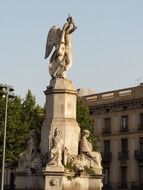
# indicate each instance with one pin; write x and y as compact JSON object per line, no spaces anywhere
{"x":138,"y":155}
{"x":123,"y":156}
{"x":106,"y":156}
{"x":107,"y":187}
{"x":141,"y":185}
{"x":123,"y":186}
{"x":123,"y":129}
{"x":136,"y":186}
{"x":140,"y":127}
{"x":106,"y":131}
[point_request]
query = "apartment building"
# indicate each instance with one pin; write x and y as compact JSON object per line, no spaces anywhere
{"x":117,"y":116}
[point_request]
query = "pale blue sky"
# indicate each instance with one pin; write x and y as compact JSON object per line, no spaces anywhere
{"x":107,"y":46}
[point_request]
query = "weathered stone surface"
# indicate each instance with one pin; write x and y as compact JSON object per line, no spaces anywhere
{"x":60,"y":40}
{"x":30,"y":159}
{"x":67,"y":181}
{"x":56,"y":150}
{"x":92,"y":159}
{"x":25,"y":181}
{"x":61,"y":114}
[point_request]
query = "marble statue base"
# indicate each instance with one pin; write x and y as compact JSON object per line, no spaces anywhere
{"x":57,"y":179}
{"x":60,"y":113}
{"x":25,"y":181}
{"x":60,"y":180}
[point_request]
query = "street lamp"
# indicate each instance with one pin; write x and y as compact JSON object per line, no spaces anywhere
{"x":5,"y":90}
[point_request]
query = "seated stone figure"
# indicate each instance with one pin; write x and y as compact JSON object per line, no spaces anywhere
{"x":92,"y":158}
{"x":56,"y":149}
{"x":30,"y":158}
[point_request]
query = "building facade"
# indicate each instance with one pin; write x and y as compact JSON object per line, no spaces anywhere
{"x":117,"y":116}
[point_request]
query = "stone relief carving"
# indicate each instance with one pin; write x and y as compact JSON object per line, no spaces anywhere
{"x":53,"y":182}
{"x":30,"y":159}
{"x":60,"y":40}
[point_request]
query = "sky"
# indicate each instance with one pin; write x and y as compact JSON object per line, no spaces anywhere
{"x":107,"y":45}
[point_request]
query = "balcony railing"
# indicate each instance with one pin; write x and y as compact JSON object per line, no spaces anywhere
{"x":140,"y":127}
{"x":123,"y":129}
{"x":106,"y":130}
{"x":107,"y":187}
{"x":141,"y":185}
{"x":136,"y":187}
{"x":138,"y":155}
{"x":123,"y":186}
{"x":123,"y":156}
{"x":106,"y":156}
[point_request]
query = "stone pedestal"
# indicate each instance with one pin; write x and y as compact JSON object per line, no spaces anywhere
{"x":25,"y":181}
{"x":53,"y":178}
{"x":60,"y":180}
{"x":60,"y":113}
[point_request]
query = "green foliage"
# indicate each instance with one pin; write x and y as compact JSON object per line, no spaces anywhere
{"x":84,"y":121}
{"x":69,"y":166}
{"x":89,"y":171}
{"x":83,"y":114}
{"x":2,"y":114}
{"x":32,"y":115}
{"x":23,"y":116}
{"x":14,"y":128}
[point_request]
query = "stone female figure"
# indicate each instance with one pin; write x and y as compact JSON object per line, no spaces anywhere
{"x":56,"y":149}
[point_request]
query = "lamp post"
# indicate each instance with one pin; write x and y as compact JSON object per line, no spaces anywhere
{"x":5,"y":90}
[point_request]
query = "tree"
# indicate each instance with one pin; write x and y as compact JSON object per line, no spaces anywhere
{"x":83,"y":118}
{"x":13,"y":136}
{"x":32,"y":115}
{"x":2,"y":116}
{"x":23,"y":116}
{"x":14,"y":129}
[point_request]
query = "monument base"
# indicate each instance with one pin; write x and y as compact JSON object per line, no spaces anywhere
{"x":61,"y":99}
{"x":59,"y":180}
{"x":25,"y":181}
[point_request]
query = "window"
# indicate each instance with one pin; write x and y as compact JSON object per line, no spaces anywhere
{"x":141,"y":175}
{"x":141,"y":145}
{"x":107,"y":122}
{"x":124,"y":145}
{"x":107,"y":128}
{"x":106,"y":147}
{"x":107,"y":154}
{"x":106,"y":176}
{"x":124,"y":126}
{"x":123,"y":155}
{"x":123,"y":176}
{"x":141,"y":120}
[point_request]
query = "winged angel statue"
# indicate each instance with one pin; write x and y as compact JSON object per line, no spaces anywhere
{"x":60,"y":40}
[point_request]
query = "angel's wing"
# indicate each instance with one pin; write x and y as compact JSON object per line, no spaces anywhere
{"x":53,"y":39}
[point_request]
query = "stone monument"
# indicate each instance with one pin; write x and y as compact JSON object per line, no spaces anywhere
{"x":70,"y":163}
{"x":65,"y":160}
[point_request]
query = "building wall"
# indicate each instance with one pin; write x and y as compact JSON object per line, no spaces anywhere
{"x":116,"y":116}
